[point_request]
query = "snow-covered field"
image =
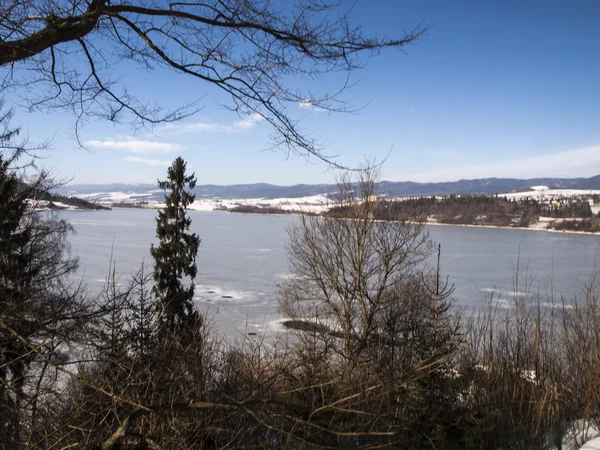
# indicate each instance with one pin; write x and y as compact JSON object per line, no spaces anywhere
{"x":107,"y":198}
{"x":42,"y":205}
{"x":315,"y":203}
{"x":593,"y":444}
{"x":543,"y":193}
{"x":539,"y":193}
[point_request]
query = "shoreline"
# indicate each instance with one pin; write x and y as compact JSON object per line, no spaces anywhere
{"x":592,"y":233}
{"x":428,"y":222}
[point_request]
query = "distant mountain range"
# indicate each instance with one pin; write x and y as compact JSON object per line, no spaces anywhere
{"x":140,"y":192}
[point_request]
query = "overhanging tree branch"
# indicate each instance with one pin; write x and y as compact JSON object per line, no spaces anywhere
{"x":247,"y":49}
{"x":57,"y":31}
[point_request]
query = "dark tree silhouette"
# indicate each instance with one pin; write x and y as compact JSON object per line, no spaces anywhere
{"x":39,"y":311}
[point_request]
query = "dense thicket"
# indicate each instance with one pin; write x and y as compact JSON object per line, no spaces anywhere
{"x":590,"y":225}
{"x":41,"y":313}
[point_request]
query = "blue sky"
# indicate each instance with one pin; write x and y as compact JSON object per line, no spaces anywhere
{"x":495,"y":88}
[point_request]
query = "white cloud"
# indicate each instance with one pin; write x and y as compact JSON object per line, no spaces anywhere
{"x":136,"y":146}
{"x":579,"y":162}
{"x":308,"y":105}
{"x":150,"y":162}
{"x":207,"y":127}
{"x":249,"y":122}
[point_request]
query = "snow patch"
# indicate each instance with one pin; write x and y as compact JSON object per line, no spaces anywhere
{"x":581,"y":435}
{"x":549,"y":194}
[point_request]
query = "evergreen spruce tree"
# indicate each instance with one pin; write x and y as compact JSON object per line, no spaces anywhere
{"x":175,"y":255}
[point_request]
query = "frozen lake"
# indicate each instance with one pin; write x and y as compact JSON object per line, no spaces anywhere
{"x":242,"y":258}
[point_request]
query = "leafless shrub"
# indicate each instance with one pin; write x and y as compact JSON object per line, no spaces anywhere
{"x":535,"y":369}
{"x":375,"y":334}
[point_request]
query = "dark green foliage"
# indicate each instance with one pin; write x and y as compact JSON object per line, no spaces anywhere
{"x":175,"y":255}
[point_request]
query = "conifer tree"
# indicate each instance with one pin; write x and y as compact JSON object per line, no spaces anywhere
{"x":141,"y":309}
{"x":175,"y":254}
{"x":38,"y":308}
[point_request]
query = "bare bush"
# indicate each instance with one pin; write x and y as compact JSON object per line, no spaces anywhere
{"x":375,"y":333}
{"x":345,"y":267}
{"x":535,"y":369}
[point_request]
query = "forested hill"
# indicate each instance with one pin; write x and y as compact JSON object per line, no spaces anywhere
{"x":57,"y":201}
{"x":391,"y":188}
{"x":480,"y":210}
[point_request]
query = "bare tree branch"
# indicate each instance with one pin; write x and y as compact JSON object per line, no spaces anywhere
{"x":247,"y":49}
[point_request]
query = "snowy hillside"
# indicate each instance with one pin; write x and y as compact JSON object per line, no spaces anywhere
{"x":110,"y":193}
{"x":544,"y":193}
{"x":153,"y":199}
{"x":316,"y":198}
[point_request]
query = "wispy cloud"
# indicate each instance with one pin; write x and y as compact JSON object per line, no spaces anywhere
{"x":136,"y":146}
{"x":149,"y":162}
{"x":310,"y":106}
{"x":208,"y":127}
{"x":579,"y":162}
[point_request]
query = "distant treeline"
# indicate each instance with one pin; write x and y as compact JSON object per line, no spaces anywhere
{"x":251,"y":209}
{"x":254,"y":209}
{"x":476,"y":210}
{"x":137,"y":205}
{"x":589,"y":225}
